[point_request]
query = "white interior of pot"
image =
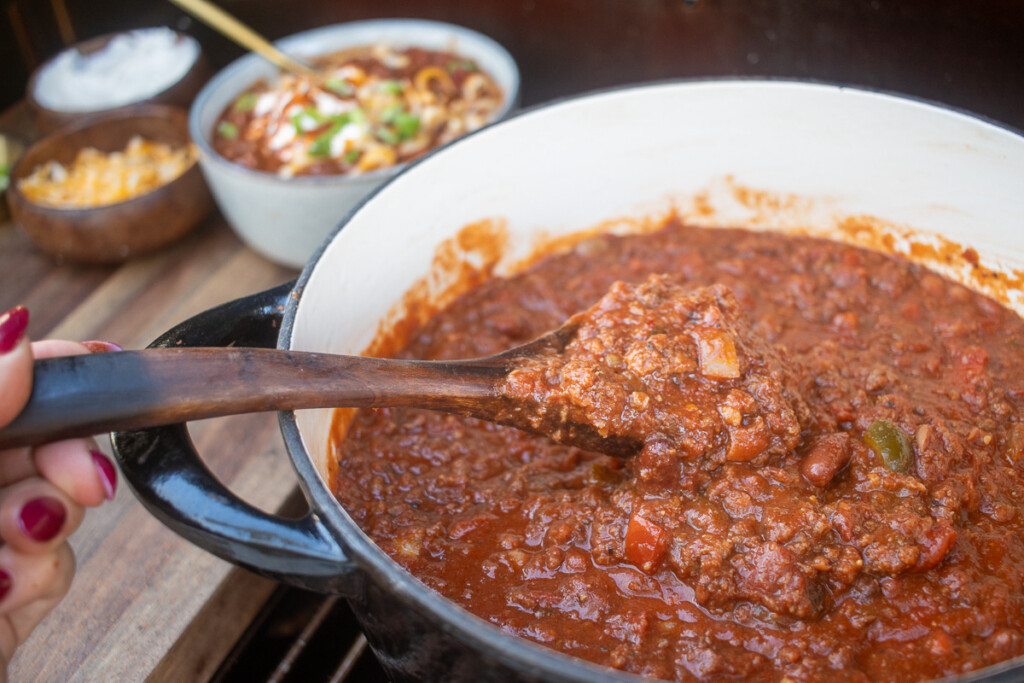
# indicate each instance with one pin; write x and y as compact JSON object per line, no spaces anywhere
{"x":825,"y":153}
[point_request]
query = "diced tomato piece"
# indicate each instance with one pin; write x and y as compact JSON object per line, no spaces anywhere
{"x":646,"y":543}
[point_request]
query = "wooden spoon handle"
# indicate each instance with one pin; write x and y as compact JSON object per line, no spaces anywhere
{"x":82,"y":395}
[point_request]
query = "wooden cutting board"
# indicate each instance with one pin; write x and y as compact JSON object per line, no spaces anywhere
{"x":145,"y":604}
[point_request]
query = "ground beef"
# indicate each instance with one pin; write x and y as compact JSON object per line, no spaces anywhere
{"x":813,"y":559}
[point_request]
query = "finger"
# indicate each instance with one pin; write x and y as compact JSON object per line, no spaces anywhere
{"x":15,"y":363}
{"x":30,"y":586}
{"x":78,"y":469}
{"x":31,"y":578}
{"x":76,"y":466}
{"x":17,"y":464}
{"x":36,"y":516}
{"x":50,"y":348}
{"x":15,"y":387}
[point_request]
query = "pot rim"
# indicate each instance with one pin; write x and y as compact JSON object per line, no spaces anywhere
{"x":379,"y":567}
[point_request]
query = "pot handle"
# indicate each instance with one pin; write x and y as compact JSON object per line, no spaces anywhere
{"x":167,"y":475}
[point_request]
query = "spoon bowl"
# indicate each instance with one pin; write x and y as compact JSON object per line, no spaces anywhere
{"x":78,"y":396}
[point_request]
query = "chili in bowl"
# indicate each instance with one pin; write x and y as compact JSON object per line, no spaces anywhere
{"x":288,"y":156}
{"x":366,"y":109}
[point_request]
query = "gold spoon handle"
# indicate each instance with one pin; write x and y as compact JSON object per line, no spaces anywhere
{"x":220,"y":20}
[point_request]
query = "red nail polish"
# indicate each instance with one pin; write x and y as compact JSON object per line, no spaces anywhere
{"x":101,"y":346}
{"x":108,"y":474}
{"x":12,"y":328}
{"x":5,"y":583}
{"x":42,"y":518}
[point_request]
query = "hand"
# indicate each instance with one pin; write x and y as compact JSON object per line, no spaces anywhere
{"x":43,"y":493}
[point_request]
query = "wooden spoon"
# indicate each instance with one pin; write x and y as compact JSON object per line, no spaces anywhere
{"x":221,"y":21}
{"x":77,"y":396}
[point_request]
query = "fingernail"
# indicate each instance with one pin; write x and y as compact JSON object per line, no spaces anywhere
{"x":12,"y":328}
{"x":108,"y":474}
{"x":42,"y":518}
{"x":5,"y":584}
{"x":95,"y":346}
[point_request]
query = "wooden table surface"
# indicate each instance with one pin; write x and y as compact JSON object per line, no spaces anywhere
{"x":140,"y":590}
{"x":145,"y":604}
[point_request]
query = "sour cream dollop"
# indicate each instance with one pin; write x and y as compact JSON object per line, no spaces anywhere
{"x":131,"y":67}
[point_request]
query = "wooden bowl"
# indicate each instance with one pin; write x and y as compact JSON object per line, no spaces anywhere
{"x":178,"y":94}
{"x":11,"y":149}
{"x":115,"y":232}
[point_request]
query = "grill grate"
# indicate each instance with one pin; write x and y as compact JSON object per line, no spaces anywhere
{"x":301,"y":636}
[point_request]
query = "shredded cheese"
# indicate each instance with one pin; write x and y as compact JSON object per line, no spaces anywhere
{"x":98,"y":178}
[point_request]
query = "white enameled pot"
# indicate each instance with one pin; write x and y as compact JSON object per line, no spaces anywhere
{"x":856,"y":165}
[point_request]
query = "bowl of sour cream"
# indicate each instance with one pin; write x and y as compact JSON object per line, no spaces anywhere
{"x":105,"y":74}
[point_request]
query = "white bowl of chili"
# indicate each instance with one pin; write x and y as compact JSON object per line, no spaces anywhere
{"x":286,"y":158}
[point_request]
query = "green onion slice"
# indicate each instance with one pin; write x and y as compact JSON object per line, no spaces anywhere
{"x":339,"y":86}
{"x":357,"y":116}
{"x":387,"y":136}
{"x":407,"y":125}
{"x":311,"y":112}
{"x":461,"y":64}
{"x":246,"y":102}
{"x":321,"y":146}
{"x":227,"y":130}
{"x":389,"y":114}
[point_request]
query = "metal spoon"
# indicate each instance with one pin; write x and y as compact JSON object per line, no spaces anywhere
{"x":218,"y":19}
{"x":83,"y":395}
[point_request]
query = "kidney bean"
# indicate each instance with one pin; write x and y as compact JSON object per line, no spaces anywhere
{"x":827,"y":456}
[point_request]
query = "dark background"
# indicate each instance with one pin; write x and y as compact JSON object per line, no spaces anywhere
{"x":968,"y":53}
